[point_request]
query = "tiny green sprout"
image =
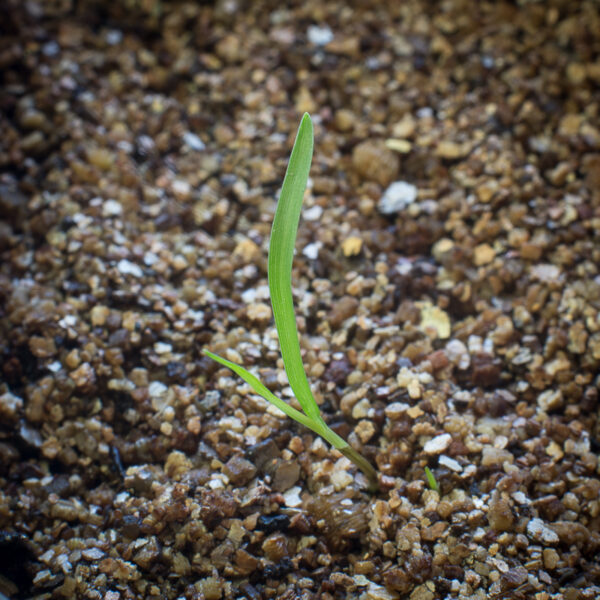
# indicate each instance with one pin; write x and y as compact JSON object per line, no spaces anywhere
{"x":433,"y":484}
{"x":279,"y":272}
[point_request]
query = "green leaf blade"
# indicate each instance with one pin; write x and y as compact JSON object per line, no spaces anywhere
{"x":281,"y":255}
{"x":433,"y":484}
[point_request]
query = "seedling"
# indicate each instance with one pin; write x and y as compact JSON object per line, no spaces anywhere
{"x":279,"y":271}
{"x":433,"y":484}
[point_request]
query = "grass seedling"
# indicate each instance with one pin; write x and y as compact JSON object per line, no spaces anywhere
{"x":433,"y":484}
{"x":279,"y":271}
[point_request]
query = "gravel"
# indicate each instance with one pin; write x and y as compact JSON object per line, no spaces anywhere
{"x":446,"y":284}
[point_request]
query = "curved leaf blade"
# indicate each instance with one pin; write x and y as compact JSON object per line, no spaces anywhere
{"x":281,"y":255}
{"x":318,"y":427}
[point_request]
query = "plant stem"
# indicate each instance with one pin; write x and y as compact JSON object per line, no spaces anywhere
{"x":339,"y":443}
{"x":363,"y":464}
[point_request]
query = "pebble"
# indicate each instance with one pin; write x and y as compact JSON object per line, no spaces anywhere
{"x":126,"y":267}
{"x":239,"y":470}
{"x":397,"y":145}
{"x":438,"y":444}
{"x":286,"y":474}
{"x":451,"y":150}
{"x":98,"y":315}
{"x":573,"y":533}
{"x":259,"y":311}
{"x":273,"y":522}
{"x":42,"y":347}
{"x":414,"y":389}
{"x":578,"y":337}
{"x":397,"y":197}
{"x":458,"y":354}
{"x":538,"y":531}
{"x":365,"y":430}
{"x":422,"y":592}
{"x":163,"y":348}
{"x":319,"y":35}
{"x":314,"y":213}
{"x":550,"y":400}
{"x":414,"y":412}
{"x":111,"y":208}
{"x":495,"y":457}
{"x":576,"y":73}
{"x":361,"y":409}
{"x":340,"y":479}
{"x":551,"y":558}
{"x":374,"y":162}
{"x":352,"y":246}
{"x":101,"y":158}
{"x":344,"y":119}
{"x":305,"y":101}
{"x":181,"y":189}
{"x":545,"y":273}
{"x":484,"y":254}
{"x":292,"y":497}
{"x":343,"y":309}
{"x":193,"y":141}
{"x":500,"y":516}
{"x":405,"y":128}
{"x":434,"y":320}
{"x":157,"y":389}
{"x":248,"y":250}
{"x":10,"y":407}
{"x":450,"y":463}
{"x":92,"y":554}
{"x":513,"y":578}
{"x":84,"y":376}
{"x":311,"y":251}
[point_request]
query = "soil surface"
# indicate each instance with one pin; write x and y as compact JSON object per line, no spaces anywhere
{"x":446,"y":280}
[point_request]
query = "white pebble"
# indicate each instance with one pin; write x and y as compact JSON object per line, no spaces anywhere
{"x":156,"y":389}
{"x":311,"y":251}
{"x":458,"y":354}
{"x":113,"y":37}
{"x":438,"y":444}
{"x":292,"y":497}
{"x":162,"y":348}
{"x":450,"y":463}
{"x":181,"y":189}
{"x":193,"y":141}
{"x":319,"y":36}
{"x":545,"y":272}
{"x":126,"y":267}
{"x":538,"y":531}
{"x":520,"y":498}
{"x":111,"y":208}
{"x":313,"y":213}
{"x":150,"y":259}
{"x":397,"y":197}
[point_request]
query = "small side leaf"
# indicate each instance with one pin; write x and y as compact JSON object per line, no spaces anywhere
{"x":433,"y":484}
{"x":263,"y":391}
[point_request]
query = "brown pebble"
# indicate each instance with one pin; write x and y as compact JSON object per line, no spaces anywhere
{"x":275,"y":547}
{"x":344,"y":308}
{"x":375,"y":162}
{"x":285,"y":474}
{"x":500,"y":516}
{"x":514,"y":577}
{"x":42,"y":347}
{"x":571,"y":533}
{"x":239,"y":470}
